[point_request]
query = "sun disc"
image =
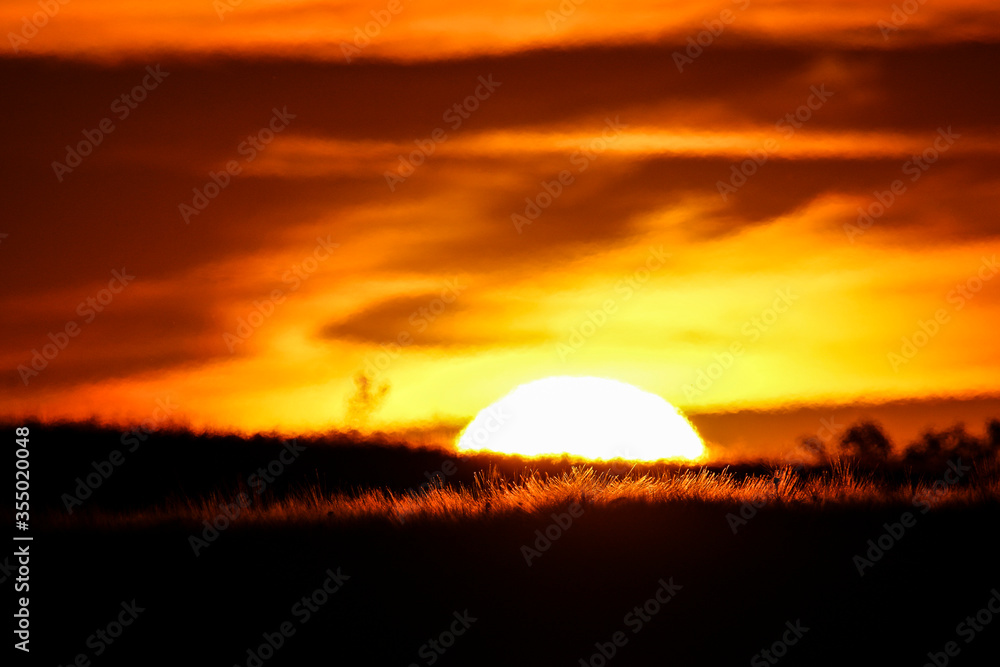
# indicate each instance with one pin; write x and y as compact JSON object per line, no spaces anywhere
{"x":590,"y":417}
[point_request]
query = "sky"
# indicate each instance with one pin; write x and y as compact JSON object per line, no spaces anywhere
{"x":226,"y":214}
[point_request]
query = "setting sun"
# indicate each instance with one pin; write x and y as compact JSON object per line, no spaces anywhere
{"x":590,"y":417}
{"x":436,"y":333}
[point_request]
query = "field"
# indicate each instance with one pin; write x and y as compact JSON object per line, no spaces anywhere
{"x":340,"y":550}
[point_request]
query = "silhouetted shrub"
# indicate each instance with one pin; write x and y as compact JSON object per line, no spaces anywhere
{"x":867,"y":443}
{"x":935,"y":448}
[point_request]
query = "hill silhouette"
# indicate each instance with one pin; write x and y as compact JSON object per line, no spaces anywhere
{"x":558,"y":575}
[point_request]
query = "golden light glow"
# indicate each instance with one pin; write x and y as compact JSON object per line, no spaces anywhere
{"x":105,"y":29}
{"x":853,"y":178}
{"x":591,"y":417}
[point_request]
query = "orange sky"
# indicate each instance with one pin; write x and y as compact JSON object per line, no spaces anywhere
{"x":649,"y":257}
{"x":433,"y":30}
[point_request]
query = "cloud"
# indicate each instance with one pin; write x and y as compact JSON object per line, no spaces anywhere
{"x":654,"y":184}
{"x":440,"y":30}
{"x":385,"y":321}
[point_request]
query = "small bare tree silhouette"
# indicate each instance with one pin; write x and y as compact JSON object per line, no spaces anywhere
{"x":367,"y":398}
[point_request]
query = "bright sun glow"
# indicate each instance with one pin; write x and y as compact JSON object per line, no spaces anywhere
{"x":594,"y":418}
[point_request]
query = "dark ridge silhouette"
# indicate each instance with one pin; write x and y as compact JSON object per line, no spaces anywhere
{"x":177,"y":463}
{"x":746,"y":568}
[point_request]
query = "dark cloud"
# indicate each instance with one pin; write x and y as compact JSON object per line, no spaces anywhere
{"x":120,"y":207}
{"x":385,"y":321}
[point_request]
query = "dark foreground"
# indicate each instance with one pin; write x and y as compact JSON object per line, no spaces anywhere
{"x":627,"y":584}
{"x":400,"y":587}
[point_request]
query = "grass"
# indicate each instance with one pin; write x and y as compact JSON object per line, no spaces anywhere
{"x":528,"y":492}
{"x":417,"y":551}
